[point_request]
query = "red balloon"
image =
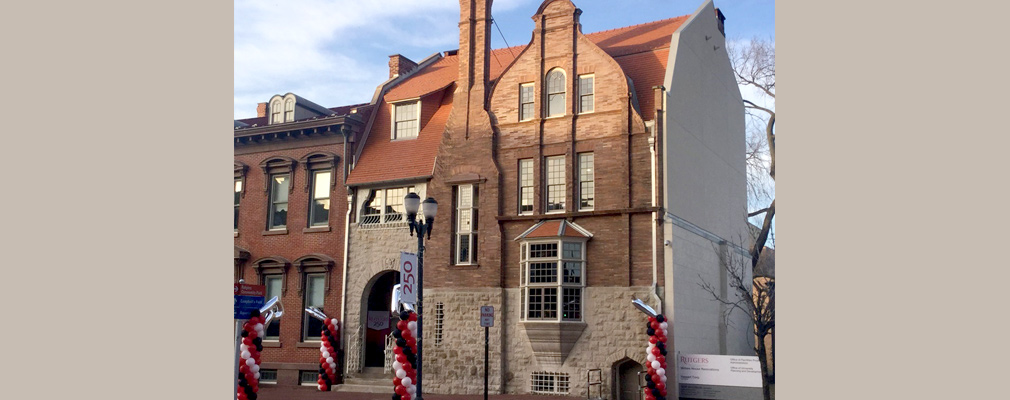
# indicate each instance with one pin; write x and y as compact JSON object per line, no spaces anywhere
{"x":247,"y":341}
{"x":397,"y":350}
{"x":401,"y":358}
{"x":660,"y":385}
{"x":654,"y":325}
{"x":656,"y":352}
{"x":653,"y":339}
{"x":405,"y":397}
{"x":413,"y":344}
{"x":413,"y":317}
{"x":649,"y":396}
{"x":396,"y":382}
{"x":406,"y":333}
{"x":662,"y":392}
{"x":401,"y":325}
{"x":656,"y":379}
{"x":652,"y":319}
{"x":661,"y":358}
{"x":252,"y":334}
{"x":400,"y":390}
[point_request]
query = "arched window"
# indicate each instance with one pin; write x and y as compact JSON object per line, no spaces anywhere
{"x":275,"y":112}
{"x":289,"y":110}
{"x":555,"y":92}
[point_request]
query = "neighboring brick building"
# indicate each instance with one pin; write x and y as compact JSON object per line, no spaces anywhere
{"x":573,"y":174}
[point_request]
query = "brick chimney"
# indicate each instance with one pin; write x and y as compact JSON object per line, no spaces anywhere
{"x":474,"y":50}
{"x":261,"y":110}
{"x":399,"y":65}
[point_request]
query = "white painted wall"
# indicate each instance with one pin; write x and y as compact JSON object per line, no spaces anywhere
{"x":705,"y":185}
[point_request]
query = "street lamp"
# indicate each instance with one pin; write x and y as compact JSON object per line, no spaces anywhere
{"x":429,"y":207}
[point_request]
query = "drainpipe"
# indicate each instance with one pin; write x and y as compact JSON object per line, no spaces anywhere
{"x":343,"y":285}
{"x":654,"y":140}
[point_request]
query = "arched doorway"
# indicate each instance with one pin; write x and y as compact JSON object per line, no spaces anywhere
{"x":376,"y":317}
{"x":626,"y":384}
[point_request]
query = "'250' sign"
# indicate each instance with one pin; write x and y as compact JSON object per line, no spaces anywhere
{"x":408,"y":277}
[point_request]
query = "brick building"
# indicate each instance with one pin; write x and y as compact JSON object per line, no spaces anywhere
{"x":573,"y":174}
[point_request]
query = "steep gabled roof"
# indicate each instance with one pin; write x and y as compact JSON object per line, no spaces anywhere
{"x":554,"y":228}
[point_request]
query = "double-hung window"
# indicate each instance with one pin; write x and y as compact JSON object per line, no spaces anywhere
{"x":466,"y":224}
{"x":273,"y":284}
{"x":587,"y":183}
{"x":552,"y":279}
{"x":315,"y":285}
{"x":279,"y":188}
{"x":405,"y":120}
{"x":275,"y":112}
{"x":555,"y":93}
{"x":526,"y":101}
{"x":289,"y":110}
{"x":525,"y":186}
{"x":556,"y":188}
{"x":586,"y":101}
{"x":238,"y":196}
{"x":319,"y":212}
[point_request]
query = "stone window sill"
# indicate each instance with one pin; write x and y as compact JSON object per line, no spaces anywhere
{"x":236,"y":233}
{"x":271,"y":343}
{"x":317,"y":229}
{"x":466,"y":266}
{"x":311,"y":344}
{"x":275,"y":232}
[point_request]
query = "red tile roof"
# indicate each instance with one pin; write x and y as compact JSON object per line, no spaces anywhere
{"x":641,"y":51}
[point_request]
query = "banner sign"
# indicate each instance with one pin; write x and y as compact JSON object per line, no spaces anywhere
{"x":378,"y":320}
{"x":248,"y":298}
{"x":408,"y":277}
{"x":706,"y":376}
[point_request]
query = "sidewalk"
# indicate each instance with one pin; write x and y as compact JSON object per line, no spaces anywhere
{"x":308,"y":393}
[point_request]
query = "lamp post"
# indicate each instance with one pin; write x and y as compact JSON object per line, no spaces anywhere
{"x":428,"y":209}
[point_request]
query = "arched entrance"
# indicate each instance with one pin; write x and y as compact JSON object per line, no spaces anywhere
{"x":376,"y":317}
{"x":626,"y":385}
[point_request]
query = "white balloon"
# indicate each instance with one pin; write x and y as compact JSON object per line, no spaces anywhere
{"x":255,"y":368}
{"x":400,"y":373}
{"x":258,"y":327}
{"x":405,"y":381}
{"x":245,"y":354}
{"x":336,"y":324}
{"x":243,"y":347}
{"x":321,"y":387}
{"x":655,"y":365}
{"x":651,"y":357}
{"x":250,"y":362}
{"x":665,"y":333}
{"x":663,"y":378}
{"x":412,"y":325}
{"x":397,"y":365}
{"x":256,"y":375}
{"x":660,"y":371}
{"x":663,"y":326}
{"x":326,"y":354}
{"x":329,"y":359}
{"x":412,"y":389}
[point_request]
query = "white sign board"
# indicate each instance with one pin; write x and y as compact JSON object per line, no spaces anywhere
{"x":408,"y":277}
{"x":378,"y":320}
{"x":706,"y":376}
{"x":486,"y":316}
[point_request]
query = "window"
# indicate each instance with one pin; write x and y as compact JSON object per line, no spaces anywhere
{"x":405,"y":120}
{"x":586,"y":101}
{"x":552,"y":279}
{"x":268,"y":375}
{"x":385,"y":206}
{"x":274,"y":284}
{"x":275,"y":112}
{"x":587,"y":184}
{"x":549,"y":383}
{"x":289,"y":110}
{"x":238,"y":195}
{"x":439,"y":321}
{"x":556,"y":184}
{"x":466,"y":221}
{"x":526,"y":186}
{"x":319,"y":213}
{"x":315,"y":285}
{"x":306,"y":378}
{"x":555,"y":93}
{"x":279,"y":186}
{"x":525,"y":101}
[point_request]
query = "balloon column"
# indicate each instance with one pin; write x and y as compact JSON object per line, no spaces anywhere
{"x":405,"y":382}
{"x":327,"y":349}
{"x":249,"y":358}
{"x":655,"y":353}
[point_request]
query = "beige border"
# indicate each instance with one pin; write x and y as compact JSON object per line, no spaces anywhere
{"x":116,"y":143}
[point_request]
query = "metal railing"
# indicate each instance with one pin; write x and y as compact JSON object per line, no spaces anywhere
{"x":598,"y":383}
{"x":387,"y":366}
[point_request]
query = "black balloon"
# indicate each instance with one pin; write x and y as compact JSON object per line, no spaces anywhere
{"x":404,"y":315}
{"x":650,"y":383}
{"x":252,"y":396}
{"x":663,"y":352}
{"x":257,"y":340}
{"x":655,"y":392}
{"x":397,"y":334}
{"x":661,"y":345}
{"x":400,"y":342}
{"x":245,"y":333}
{"x":650,"y":332}
{"x":396,"y":396}
{"x":660,"y":318}
{"x":259,"y":347}
{"x":248,"y":390}
{"x":255,"y":313}
{"x":660,"y":398}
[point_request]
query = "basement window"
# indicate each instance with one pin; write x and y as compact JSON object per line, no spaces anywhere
{"x":549,"y":383}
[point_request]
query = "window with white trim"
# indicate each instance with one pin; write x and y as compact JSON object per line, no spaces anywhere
{"x":466,"y":225}
{"x":549,"y":383}
{"x":306,"y":378}
{"x":238,"y":195}
{"x":279,"y":189}
{"x":273,"y":284}
{"x":586,"y":98}
{"x":552,"y":279}
{"x":526,"y":98}
{"x":275,"y":112}
{"x":526,"y":186}
{"x":385,"y":206}
{"x":289,"y":110}
{"x":319,"y":212}
{"x":268,"y":376}
{"x":315,"y":286}
{"x":555,"y":93}
{"x":405,"y":120}
{"x":556,"y":188}
{"x":587,"y":181}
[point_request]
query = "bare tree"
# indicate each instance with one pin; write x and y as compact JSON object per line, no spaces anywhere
{"x":751,"y":291}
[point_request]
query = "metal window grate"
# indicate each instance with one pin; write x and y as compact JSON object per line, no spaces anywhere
{"x":268,"y":376}
{"x":307,"y":378}
{"x":439,"y":320}
{"x":549,"y":383}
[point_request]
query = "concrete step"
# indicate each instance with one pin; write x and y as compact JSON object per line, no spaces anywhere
{"x":387,"y":388}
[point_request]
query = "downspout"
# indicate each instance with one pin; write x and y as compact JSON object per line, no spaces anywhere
{"x":347,"y":223}
{"x":654,"y":141}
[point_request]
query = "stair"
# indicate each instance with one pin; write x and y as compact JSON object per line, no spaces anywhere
{"x":367,"y":382}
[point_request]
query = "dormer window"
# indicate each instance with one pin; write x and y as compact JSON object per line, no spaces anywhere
{"x":289,"y":110}
{"x":555,"y":93}
{"x":405,"y":120}
{"x":275,"y":112}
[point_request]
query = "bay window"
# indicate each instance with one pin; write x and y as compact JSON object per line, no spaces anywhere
{"x":552,"y":279}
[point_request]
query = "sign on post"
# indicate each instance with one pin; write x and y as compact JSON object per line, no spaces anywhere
{"x":248,"y":298}
{"x":717,"y":377}
{"x":486,"y":316}
{"x":408,"y":277}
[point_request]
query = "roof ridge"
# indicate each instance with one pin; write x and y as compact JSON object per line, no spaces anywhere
{"x":641,"y":24}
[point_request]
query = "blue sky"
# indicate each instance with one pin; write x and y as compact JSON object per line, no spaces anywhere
{"x":335,"y":52}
